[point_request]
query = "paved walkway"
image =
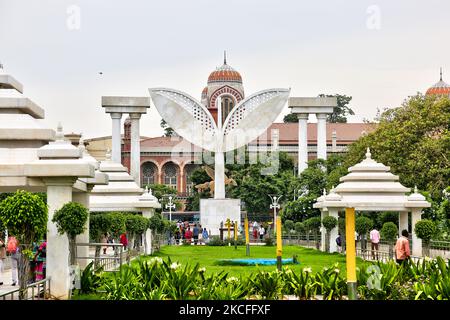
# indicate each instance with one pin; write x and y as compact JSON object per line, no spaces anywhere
{"x":5,"y":277}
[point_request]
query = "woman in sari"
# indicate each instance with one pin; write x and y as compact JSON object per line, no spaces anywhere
{"x":40,"y":258}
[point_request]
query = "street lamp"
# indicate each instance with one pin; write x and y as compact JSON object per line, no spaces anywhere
{"x":275,"y":205}
{"x":170,"y":205}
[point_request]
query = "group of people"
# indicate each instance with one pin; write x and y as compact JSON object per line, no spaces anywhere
{"x":258,"y":231}
{"x":37,"y":263}
{"x":184,"y":234}
{"x":401,"y":249}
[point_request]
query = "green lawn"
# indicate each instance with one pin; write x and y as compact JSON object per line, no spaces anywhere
{"x":207,"y":256}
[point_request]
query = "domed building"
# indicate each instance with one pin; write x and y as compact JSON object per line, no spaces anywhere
{"x":441,"y":88}
{"x":224,"y":81}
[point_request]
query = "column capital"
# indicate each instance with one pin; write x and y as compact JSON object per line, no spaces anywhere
{"x":302,"y":116}
{"x":321,"y":115}
{"x":135,"y":116}
{"x":116,"y":115}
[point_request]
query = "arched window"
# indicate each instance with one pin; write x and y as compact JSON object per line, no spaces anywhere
{"x":227,"y":106}
{"x":149,"y":171}
{"x":170,"y":174}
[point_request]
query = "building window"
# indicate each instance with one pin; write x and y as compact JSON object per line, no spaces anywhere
{"x":149,"y":171}
{"x":227,"y":106}
{"x":170,"y":175}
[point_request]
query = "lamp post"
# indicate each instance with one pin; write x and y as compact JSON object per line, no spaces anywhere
{"x":275,"y":205}
{"x":170,"y":205}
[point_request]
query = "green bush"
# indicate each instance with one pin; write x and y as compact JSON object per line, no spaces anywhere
{"x":363,"y":225}
{"x":269,"y":241}
{"x":389,"y":231}
{"x":288,"y":225}
{"x":215,"y":241}
{"x":329,"y":223}
{"x":300,"y":227}
{"x":425,"y":229}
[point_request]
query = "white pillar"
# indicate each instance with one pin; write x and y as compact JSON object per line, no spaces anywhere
{"x":135,"y":148}
{"x":323,"y":231}
{"x":59,"y":192}
{"x":82,"y":251}
{"x":402,"y":221}
{"x":334,"y":141}
{"x":416,"y":215}
{"x":321,"y":136}
{"x":148,"y":233}
{"x":219,"y":176}
{"x":116,"y":152}
{"x":335,"y":232}
{"x":302,"y":141}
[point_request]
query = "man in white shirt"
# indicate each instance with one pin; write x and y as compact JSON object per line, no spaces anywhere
{"x":261,"y":232}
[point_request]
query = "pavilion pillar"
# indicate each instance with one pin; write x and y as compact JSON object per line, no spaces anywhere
{"x":334,"y":233}
{"x":116,"y":152}
{"x":83,"y":251}
{"x":323,"y":232}
{"x":302,"y":142}
{"x":402,"y":222}
{"x":59,"y":192}
{"x":148,"y":234}
{"x":135,"y":148}
{"x":416,"y":215}
{"x":321,"y":136}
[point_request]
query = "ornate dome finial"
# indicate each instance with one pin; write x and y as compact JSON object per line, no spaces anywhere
{"x":441,"y":75}
{"x":324,"y":191}
{"x":368,"y":154}
{"x":224,"y":56}
{"x":59,"y":132}
{"x":108,"y":154}
{"x":415,"y":189}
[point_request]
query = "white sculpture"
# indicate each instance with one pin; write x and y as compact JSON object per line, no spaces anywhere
{"x":246,"y":121}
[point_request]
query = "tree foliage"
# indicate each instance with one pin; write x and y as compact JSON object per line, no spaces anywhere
{"x":168,"y":131}
{"x":71,"y":219}
{"x":363,"y":225}
{"x":342,"y":109}
{"x":329,"y":223}
{"x":389,"y":231}
{"x":425,"y":230}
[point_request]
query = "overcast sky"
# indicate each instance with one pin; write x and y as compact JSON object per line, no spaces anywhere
{"x":378,"y":52}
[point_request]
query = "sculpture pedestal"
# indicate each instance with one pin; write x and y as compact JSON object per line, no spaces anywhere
{"x":215,"y":211}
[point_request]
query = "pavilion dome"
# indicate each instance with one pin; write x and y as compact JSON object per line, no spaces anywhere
{"x":225,"y":73}
{"x":441,"y":88}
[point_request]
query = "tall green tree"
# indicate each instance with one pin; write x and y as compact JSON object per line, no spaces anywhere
{"x":342,"y":110}
{"x":25,"y":216}
{"x":168,"y":131}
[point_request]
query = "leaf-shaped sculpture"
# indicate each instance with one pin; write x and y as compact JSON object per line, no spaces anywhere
{"x":192,"y":120}
{"x":186,"y":116}
{"x":252,"y":116}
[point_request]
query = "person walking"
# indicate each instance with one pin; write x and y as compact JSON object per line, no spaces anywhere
{"x":374,"y":240}
{"x":205,"y":236}
{"x":2,"y":255}
{"x":124,"y":240}
{"x":261,"y":232}
{"x":402,"y":252}
{"x":13,"y":249}
{"x":339,"y":243}
{"x":195,"y":233}
{"x":40,"y":258}
{"x":104,"y":239}
{"x":188,"y":235}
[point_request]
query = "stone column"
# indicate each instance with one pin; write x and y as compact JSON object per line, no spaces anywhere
{"x":148,"y":213}
{"x":334,"y":141}
{"x":116,"y":153}
{"x":59,"y":192}
{"x":323,"y":232}
{"x":181,"y":185}
{"x":416,"y":215}
{"x":83,"y":251}
{"x":135,"y":148}
{"x":302,"y":141}
{"x":402,"y":221}
{"x":334,"y":233}
{"x":321,"y":136}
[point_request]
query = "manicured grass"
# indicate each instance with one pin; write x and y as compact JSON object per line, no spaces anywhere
{"x":207,"y":256}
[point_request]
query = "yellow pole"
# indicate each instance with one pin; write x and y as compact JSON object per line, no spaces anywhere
{"x":229,"y":231}
{"x":235,"y":234}
{"x":351,"y":252}
{"x":279,"y":243}
{"x":247,"y":240}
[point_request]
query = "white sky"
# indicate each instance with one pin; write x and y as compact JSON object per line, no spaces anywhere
{"x":311,"y":46}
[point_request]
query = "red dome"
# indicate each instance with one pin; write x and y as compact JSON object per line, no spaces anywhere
{"x":440,"y":88}
{"x":224,"y":74}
